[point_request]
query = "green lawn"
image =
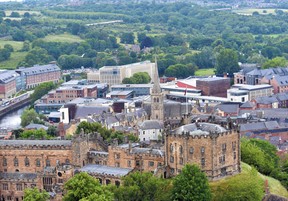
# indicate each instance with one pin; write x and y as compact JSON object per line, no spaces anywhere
{"x":16,"y":44}
{"x":13,"y":61}
{"x":204,"y":72}
{"x":63,"y":38}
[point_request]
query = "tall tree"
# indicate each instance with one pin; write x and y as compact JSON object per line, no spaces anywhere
{"x":33,"y":194}
{"x":191,"y":185}
{"x":84,"y":186}
{"x":227,"y":62}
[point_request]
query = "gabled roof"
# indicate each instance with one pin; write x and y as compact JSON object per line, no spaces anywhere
{"x":247,"y":104}
{"x":105,"y":170}
{"x":281,"y":80}
{"x":269,"y":125}
{"x":36,"y":126}
{"x":151,"y":124}
{"x":84,"y":111}
{"x":37,"y":69}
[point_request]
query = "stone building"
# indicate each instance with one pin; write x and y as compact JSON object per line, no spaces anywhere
{"x":214,"y":149}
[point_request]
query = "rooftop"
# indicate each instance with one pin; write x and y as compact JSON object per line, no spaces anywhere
{"x":199,"y":129}
{"x":35,"y":142}
{"x":37,"y":69}
{"x":105,"y":170}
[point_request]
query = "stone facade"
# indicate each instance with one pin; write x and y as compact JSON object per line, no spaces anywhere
{"x":217,"y":153}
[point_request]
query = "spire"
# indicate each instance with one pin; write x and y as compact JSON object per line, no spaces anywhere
{"x":156,"y":86}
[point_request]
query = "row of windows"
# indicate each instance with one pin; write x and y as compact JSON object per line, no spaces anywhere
{"x":19,"y":187}
{"x":138,"y":163}
{"x":27,"y":162}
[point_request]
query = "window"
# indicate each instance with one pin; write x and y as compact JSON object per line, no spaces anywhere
{"x":159,"y":164}
{"x":19,"y":187}
{"x":60,"y":181}
{"x":108,"y":181}
{"x":9,"y":197}
{"x":181,"y":161}
{"x":5,"y":187}
{"x":172,"y":170}
{"x":224,"y":147}
{"x":117,"y":183}
{"x":234,"y":155}
{"x":171,"y":148}
{"x":234,"y":146}
{"x":143,"y":132}
{"x":16,"y":162}
{"x":181,"y":149}
{"x":67,"y":161}
{"x":48,"y":162}
{"x":117,"y":164}
{"x":171,"y":159}
{"x":117,"y":155}
{"x":26,"y":161}
{"x":137,"y":163}
{"x":4,"y":161}
{"x":222,"y":159}
{"x":38,"y":163}
{"x":203,"y":161}
{"x":202,"y":150}
{"x":191,"y":150}
{"x":151,"y":163}
{"x":129,"y":163}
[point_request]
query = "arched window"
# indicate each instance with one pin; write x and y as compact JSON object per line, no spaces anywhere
{"x":181,"y":149}
{"x":154,"y":100}
{"x":16,"y":162}
{"x":48,"y":163}
{"x":4,"y":161}
{"x":38,"y":163}
{"x":157,"y":100}
{"x":171,"y":148}
{"x":26,"y":161}
{"x":67,"y":161}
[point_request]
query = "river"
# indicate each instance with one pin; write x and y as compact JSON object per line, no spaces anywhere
{"x":12,"y":120}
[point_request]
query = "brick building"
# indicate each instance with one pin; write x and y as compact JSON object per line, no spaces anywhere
{"x":214,"y":86}
{"x":213,"y":148}
{"x":33,"y":76}
{"x":8,"y":80}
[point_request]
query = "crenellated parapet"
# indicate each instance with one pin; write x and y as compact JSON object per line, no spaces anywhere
{"x":35,"y":144}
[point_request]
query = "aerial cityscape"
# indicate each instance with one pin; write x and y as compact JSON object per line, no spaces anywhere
{"x":137,"y":100}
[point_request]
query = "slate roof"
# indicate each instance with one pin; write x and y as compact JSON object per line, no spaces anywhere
{"x":84,"y":111}
{"x":281,"y":80}
{"x":282,"y":96}
{"x":37,"y":69}
{"x":151,"y":124}
{"x":266,"y":100}
{"x":202,"y":129}
{"x":228,"y":108}
{"x":105,"y":170}
{"x":36,"y":126}
{"x":259,"y":126}
{"x":150,"y":151}
{"x":247,"y":104}
{"x":7,"y":76}
{"x":17,"y":176}
{"x":35,"y":142}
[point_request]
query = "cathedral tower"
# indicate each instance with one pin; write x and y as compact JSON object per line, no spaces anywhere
{"x":157,"y":98}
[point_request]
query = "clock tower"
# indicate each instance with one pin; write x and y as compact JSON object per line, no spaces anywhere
{"x":157,"y":98}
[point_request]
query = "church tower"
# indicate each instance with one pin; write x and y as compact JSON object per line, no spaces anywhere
{"x":157,"y":98}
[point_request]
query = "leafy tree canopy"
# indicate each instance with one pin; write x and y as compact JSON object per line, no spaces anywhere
{"x":137,"y":78}
{"x":275,"y":62}
{"x":180,"y":70}
{"x":86,"y":188}
{"x":227,"y":62}
{"x":33,"y":194}
{"x":191,"y":184}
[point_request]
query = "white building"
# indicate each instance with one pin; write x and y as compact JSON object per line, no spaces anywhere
{"x":150,"y":130}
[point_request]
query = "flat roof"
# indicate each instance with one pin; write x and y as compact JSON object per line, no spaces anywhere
{"x":132,"y":86}
{"x":251,"y":87}
{"x":119,"y":93}
{"x":105,"y":170}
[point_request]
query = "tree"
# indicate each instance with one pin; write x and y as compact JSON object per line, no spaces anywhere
{"x":180,"y":70}
{"x":191,"y":184}
{"x":41,"y":90}
{"x":33,"y":194}
{"x":52,"y":131}
{"x":143,"y":186}
{"x":84,"y":186}
{"x":137,"y":78}
{"x":14,"y":14}
{"x":37,"y":56}
{"x":275,"y":62}
{"x":227,"y":62}
{"x":127,"y":38}
{"x":28,"y":116}
{"x":38,"y":134}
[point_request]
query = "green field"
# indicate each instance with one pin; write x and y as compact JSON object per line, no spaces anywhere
{"x":275,"y":186}
{"x":204,"y":72}
{"x":13,"y":61}
{"x":249,"y":11}
{"x":17,"y":45}
{"x":63,"y":38}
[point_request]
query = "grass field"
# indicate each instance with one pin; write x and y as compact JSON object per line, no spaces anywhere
{"x":204,"y":72}
{"x":275,"y":186}
{"x":63,"y":38}
{"x":249,"y":11}
{"x":15,"y":44}
{"x":13,"y":61}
